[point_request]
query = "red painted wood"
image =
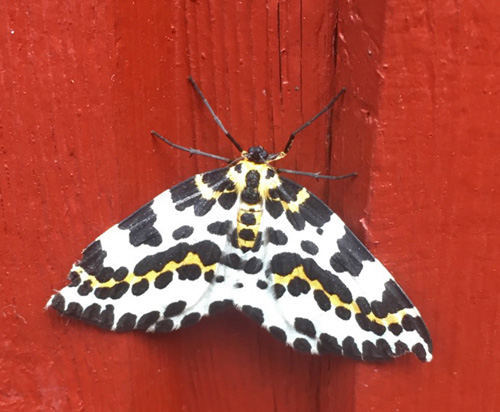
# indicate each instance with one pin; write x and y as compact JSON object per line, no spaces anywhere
{"x":83,"y":83}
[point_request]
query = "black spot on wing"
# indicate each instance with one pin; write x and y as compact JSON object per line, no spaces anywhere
{"x":253,"y":313}
{"x":93,"y":258}
{"x":393,"y":300}
{"x":302,"y":345}
{"x":140,"y":225}
{"x":309,"y":247}
{"x":203,"y":206}
{"x":209,"y":276}
{"x":187,"y":194}
{"x":350,"y":348}
{"x":276,"y":237}
{"x":278,"y":333}
{"x":105,"y":274}
{"x":106,"y":318}
{"x":423,"y":332}
{"x":411,"y":323}
{"x":165,"y":325}
{"x":296,"y":220}
{"x":314,"y":211}
{"x":395,"y":329}
{"x":274,"y":208}
{"x":284,"y":263}
{"x":343,"y":313}
{"x":401,"y":348}
{"x":216,"y":178}
{"x":322,"y":300}
{"x":219,"y":306}
{"x":190,"y":319}
{"x":363,"y":305}
{"x":140,"y":287}
{"x":253,"y":266}
{"x":351,"y":254}
{"x":262,"y":284}
{"x":328,"y":344}
{"x":102,"y":293}
{"x":220,"y":228}
{"x":163,"y":280}
{"x":182,"y":232}
{"x":58,"y":303}
{"x":85,"y":288}
{"x":126,"y":322}
{"x":376,"y":352}
{"x":74,"y":309}
{"x":174,"y":309}
{"x":227,"y":200}
{"x":279,"y":290}
{"x":147,"y":320}
{"x":297,"y":286}
{"x":189,"y":272}
{"x":74,"y":278}
{"x":118,"y":290}
{"x":91,"y":314}
{"x":120,"y":274}
{"x":419,"y":350}
{"x":305,"y":326}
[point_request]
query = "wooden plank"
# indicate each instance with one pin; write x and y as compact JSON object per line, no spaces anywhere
{"x":84,"y":83}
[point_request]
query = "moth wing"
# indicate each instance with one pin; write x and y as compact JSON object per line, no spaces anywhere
{"x":330,"y":294}
{"x":155,"y":270}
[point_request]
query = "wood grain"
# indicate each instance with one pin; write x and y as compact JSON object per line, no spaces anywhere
{"x":84,"y":83}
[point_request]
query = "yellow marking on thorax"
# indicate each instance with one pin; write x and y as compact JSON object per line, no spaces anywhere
{"x":190,"y":259}
{"x":336,"y":301}
{"x":264,"y":184}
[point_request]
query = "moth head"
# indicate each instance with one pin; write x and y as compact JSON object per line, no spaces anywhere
{"x":257,"y":154}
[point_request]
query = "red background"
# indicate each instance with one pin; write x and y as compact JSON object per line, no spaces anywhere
{"x":83,"y":83}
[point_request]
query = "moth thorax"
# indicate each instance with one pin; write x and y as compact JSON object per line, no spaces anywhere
{"x":250,"y":193}
{"x":248,"y":226}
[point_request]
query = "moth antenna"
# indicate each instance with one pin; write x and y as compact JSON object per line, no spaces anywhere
{"x":306,"y":124}
{"x":215,"y":117}
{"x":190,"y":150}
{"x":317,"y":175}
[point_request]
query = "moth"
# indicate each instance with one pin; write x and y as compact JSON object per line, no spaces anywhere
{"x":245,"y":236}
